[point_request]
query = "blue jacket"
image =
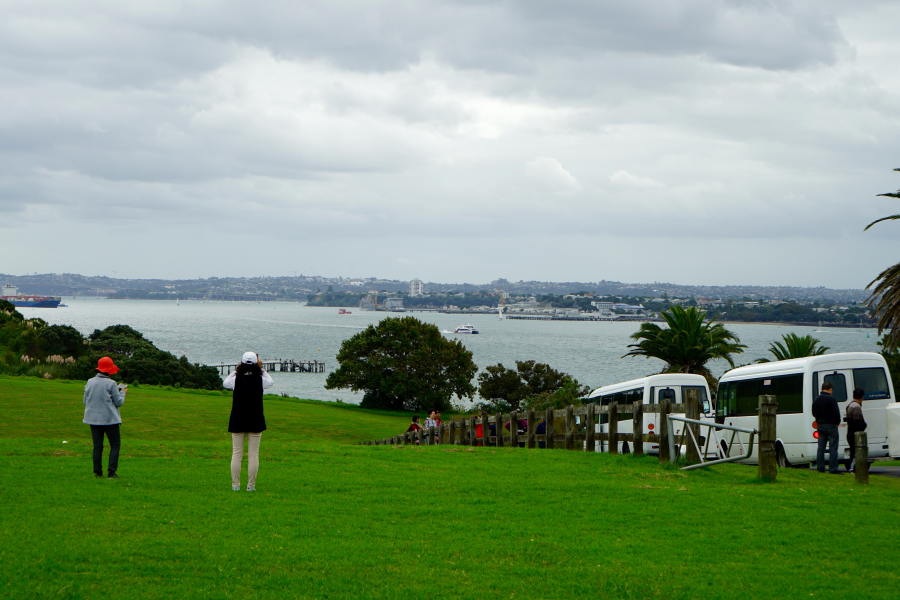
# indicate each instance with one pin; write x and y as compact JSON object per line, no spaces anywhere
{"x":102,"y":401}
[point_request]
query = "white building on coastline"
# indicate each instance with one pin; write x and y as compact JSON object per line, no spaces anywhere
{"x":416,"y":288}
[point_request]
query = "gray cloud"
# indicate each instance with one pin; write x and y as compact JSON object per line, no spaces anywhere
{"x":473,"y":126}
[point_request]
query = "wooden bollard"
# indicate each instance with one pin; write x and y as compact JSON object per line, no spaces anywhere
{"x":692,"y":411}
{"x":498,"y":427}
{"x":637,"y":428}
{"x":862,"y":457}
{"x":613,"y":408}
{"x":768,"y":459}
{"x":514,"y":429}
{"x":664,"y":432}
{"x":550,"y":420}
{"x":384,"y":442}
{"x":590,"y":441}
{"x":570,"y":428}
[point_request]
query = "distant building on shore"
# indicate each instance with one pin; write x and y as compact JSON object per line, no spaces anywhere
{"x":416,"y":288}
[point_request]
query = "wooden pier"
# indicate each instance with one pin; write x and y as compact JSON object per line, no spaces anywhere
{"x":282,"y":365}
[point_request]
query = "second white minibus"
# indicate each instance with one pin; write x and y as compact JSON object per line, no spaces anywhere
{"x":795,"y":383}
{"x":649,"y":390}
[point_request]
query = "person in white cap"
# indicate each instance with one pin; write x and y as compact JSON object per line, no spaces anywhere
{"x":247,"y":420}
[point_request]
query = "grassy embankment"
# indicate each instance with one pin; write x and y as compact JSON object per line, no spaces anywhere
{"x":336,"y":520}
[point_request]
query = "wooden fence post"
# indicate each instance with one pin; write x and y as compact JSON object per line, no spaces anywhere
{"x":590,"y":441}
{"x":768,"y":459}
{"x":498,"y":427}
{"x":451,"y":435}
{"x":862,"y":457}
{"x":570,"y":428}
{"x":664,"y":432}
{"x":513,"y":428}
{"x":613,"y":408}
{"x":529,"y":436}
{"x":692,"y":411}
{"x":384,"y":442}
{"x":637,"y":428}
{"x":431,"y":436}
{"x":549,"y":419}
{"x":421,"y":433}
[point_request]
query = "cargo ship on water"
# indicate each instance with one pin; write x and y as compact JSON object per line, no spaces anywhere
{"x":11,"y":294}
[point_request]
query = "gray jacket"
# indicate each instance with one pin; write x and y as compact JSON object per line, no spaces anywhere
{"x":102,"y":400}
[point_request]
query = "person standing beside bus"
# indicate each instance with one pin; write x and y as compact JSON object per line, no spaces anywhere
{"x":828,"y":417}
{"x":855,"y":422}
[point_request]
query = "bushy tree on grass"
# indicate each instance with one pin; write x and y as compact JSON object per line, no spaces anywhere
{"x":503,"y":389}
{"x":403,"y":363}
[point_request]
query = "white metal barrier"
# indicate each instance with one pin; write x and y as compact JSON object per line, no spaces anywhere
{"x":713,"y":428}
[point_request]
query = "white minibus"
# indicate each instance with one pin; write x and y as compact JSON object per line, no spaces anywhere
{"x":649,"y":390}
{"x":795,"y":383}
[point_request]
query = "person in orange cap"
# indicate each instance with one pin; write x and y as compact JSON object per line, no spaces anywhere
{"x":102,"y":399}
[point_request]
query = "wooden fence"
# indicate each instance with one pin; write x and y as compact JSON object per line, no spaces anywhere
{"x":562,"y":430}
{"x":584,"y":436}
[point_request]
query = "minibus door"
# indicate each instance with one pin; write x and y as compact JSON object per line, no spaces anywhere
{"x":842,"y":382}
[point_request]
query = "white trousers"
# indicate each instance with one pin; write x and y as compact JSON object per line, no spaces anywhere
{"x":237,"y":454}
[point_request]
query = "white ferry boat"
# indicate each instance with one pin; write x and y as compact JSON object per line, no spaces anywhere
{"x":465,"y":329}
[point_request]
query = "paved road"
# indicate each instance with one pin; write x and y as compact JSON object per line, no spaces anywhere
{"x":876,"y":470}
{"x":888,"y":471}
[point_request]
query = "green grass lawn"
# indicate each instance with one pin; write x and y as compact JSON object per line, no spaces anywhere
{"x":334,"y":520}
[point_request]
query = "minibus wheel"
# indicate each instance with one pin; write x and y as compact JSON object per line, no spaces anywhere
{"x":780,"y":457}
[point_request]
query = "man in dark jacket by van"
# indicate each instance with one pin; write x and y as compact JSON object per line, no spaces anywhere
{"x":828,"y":416}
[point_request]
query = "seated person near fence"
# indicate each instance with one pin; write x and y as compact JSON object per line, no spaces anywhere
{"x":523,"y":425}
{"x":414,"y":426}
{"x":541,"y":429}
{"x":492,"y":430}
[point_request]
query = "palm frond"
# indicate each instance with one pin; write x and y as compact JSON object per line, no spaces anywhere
{"x":885,"y":304}
{"x":890,"y":218}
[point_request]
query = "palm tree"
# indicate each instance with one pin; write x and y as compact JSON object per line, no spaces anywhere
{"x":688,"y":343}
{"x":795,"y":347}
{"x":885,"y":298}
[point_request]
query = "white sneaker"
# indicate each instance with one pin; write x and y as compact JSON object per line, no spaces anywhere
{"x":236,"y":488}
{"x":251,"y":489}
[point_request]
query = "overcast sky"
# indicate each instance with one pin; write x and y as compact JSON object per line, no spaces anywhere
{"x":692,"y":141}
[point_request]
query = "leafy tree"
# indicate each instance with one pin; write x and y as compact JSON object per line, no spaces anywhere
{"x":885,"y":298}
{"x":404,"y":364}
{"x":795,"y":347}
{"x":63,"y":340}
{"x":688,"y":343}
{"x":570,"y":392}
{"x":505,"y":388}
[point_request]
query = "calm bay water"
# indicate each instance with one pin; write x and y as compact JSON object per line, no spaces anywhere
{"x":214,"y":332}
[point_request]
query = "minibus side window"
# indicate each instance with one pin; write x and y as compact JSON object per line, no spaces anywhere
{"x":652,"y":397}
{"x":840,"y":385}
{"x":816,"y":390}
{"x":873,"y":382}
{"x":667,"y":394}
{"x":702,"y":399}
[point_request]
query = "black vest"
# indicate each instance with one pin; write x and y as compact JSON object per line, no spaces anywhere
{"x":247,"y":405}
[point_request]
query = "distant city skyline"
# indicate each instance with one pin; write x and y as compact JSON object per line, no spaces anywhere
{"x":698,"y":141}
{"x":66,"y":283}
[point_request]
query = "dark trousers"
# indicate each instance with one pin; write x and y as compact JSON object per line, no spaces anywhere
{"x":828,"y":434}
{"x":112,"y":432}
